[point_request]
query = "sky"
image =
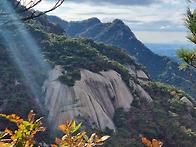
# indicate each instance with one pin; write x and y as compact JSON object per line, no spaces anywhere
{"x":152,"y":21}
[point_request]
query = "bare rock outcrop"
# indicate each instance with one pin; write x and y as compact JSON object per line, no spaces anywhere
{"x":138,"y":73}
{"x":94,"y":98}
{"x":187,"y":101}
{"x":140,"y":91}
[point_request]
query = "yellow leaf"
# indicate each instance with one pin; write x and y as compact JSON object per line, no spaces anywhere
{"x":3,"y":115}
{"x":52,"y":145}
{"x":92,"y":137}
{"x":5,"y":145}
{"x":104,"y":138}
{"x":58,"y":141}
{"x":156,"y":143}
{"x":41,"y":129}
{"x":72,"y":124}
{"x":146,"y":142}
{"x":64,"y":128}
{"x":8,"y":131}
{"x":30,"y":115}
{"x":66,"y":121}
{"x":99,"y":143}
{"x":79,"y":135}
{"x":12,"y":118}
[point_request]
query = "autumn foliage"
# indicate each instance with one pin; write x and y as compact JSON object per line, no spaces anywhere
{"x":154,"y":143}
{"x":24,"y":135}
{"x":79,"y":140}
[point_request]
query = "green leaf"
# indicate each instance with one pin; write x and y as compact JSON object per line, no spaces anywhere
{"x":77,"y":127}
{"x":72,"y":124}
{"x":25,"y":123}
{"x":19,"y":134}
{"x":29,"y":127}
{"x":183,"y":66}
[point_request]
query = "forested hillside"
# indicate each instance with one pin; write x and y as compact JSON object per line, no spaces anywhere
{"x":171,"y":111}
{"x":168,"y":114}
{"x":160,"y":68}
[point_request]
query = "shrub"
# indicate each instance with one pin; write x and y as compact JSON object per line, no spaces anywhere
{"x":23,"y":137}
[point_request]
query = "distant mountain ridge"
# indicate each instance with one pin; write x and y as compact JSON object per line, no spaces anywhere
{"x":161,"y":68}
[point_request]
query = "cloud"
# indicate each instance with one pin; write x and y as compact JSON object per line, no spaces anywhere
{"x":116,"y":2}
{"x":166,"y":26}
{"x":161,"y":37}
{"x":161,"y":16}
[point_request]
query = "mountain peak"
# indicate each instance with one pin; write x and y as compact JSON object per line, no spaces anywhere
{"x":94,"y":20}
{"x":118,"y":22}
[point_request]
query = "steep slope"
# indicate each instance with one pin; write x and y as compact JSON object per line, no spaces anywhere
{"x":160,"y":68}
{"x":167,"y":118}
{"x":91,"y":81}
{"x":94,"y":98}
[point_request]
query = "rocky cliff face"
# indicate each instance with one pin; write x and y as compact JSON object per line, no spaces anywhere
{"x":94,"y":98}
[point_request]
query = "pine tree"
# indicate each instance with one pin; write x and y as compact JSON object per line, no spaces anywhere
{"x":186,"y":55}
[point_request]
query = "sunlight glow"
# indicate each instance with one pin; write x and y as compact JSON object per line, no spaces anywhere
{"x":23,"y":49}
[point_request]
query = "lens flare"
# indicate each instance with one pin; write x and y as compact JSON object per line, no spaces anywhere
{"x":22,"y":47}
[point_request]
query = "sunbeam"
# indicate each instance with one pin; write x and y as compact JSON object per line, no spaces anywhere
{"x":23,"y":49}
